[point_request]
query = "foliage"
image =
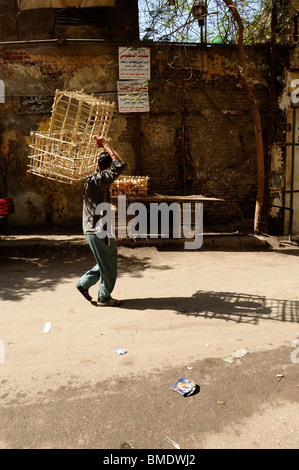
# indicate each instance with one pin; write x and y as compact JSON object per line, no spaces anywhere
{"x":172,"y":21}
{"x":259,"y":29}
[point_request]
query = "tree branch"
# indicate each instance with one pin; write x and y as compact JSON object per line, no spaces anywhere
{"x":256,"y":119}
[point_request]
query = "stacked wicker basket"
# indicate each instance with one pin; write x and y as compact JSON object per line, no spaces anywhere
{"x":67,"y":152}
{"x":130,"y":186}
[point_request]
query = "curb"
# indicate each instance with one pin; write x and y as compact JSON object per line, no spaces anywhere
{"x":225,"y":241}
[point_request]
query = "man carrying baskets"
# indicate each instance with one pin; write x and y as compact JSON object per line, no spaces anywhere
{"x":102,"y":245}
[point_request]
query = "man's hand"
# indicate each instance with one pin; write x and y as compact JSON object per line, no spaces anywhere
{"x":100,"y":141}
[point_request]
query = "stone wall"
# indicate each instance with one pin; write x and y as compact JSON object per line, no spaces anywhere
{"x":202,"y":126}
{"x":198,"y":137}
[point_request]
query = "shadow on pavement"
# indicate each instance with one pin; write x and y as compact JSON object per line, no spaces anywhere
{"x":27,"y":271}
{"x":229,"y":306}
{"x":23,"y":273}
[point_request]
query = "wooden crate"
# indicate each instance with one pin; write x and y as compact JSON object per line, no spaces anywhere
{"x":130,"y":186}
{"x":67,"y":151}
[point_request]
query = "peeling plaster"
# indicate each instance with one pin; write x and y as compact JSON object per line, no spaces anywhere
{"x":220,"y":65}
{"x":275,"y":211}
{"x":216,"y":67}
{"x":24,"y":80}
{"x":91,"y":78}
{"x":284,"y":101}
{"x":276,"y":157}
{"x":25,"y":77}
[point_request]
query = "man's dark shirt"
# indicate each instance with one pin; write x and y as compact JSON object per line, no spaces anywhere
{"x":96,"y":191}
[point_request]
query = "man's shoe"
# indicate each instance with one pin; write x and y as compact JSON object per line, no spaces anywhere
{"x":110,"y":303}
{"x":84,"y":292}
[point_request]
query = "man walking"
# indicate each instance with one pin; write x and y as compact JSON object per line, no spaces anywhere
{"x":102,"y":245}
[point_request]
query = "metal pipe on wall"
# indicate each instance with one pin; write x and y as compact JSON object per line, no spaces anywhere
{"x":292,"y":173}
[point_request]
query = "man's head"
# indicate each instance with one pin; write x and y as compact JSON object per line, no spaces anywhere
{"x":104,"y":161}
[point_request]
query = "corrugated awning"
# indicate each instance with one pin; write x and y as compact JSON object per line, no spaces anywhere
{"x":34,"y":4}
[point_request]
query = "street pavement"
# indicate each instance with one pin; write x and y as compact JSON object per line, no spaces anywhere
{"x":185,"y":314}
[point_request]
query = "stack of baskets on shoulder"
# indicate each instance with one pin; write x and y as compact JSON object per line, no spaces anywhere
{"x":67,"y":152}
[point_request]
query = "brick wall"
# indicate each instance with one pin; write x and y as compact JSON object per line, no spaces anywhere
{"x":198,"y":137}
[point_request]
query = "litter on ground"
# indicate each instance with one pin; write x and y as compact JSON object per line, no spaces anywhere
{"x":236,"y":355}
{"x":120,"y":351}
{"x":184,"y":386}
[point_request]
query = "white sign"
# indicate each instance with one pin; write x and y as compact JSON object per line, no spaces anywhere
{"x":134,"y":63}
{"x":133,"y":96}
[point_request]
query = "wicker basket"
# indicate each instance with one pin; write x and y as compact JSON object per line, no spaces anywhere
{"x":130,"y":186}
{"x":67,"y":152}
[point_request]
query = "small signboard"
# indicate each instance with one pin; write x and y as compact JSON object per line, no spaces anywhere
{"x":133,"y":96}
{"x":134,"y":63}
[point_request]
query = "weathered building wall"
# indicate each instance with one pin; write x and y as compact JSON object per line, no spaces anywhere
{"x":30,"y":73}
{"x":198,"y":137}
{"x":209,"y":115}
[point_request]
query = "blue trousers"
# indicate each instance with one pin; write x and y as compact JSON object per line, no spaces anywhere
{"x":105,"y":270}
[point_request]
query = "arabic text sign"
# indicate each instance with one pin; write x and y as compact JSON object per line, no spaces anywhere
{"x":134,"y":63}
{"x":133,"y":96}
{"x":36,"y":104}
{"x":132,"y":86}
